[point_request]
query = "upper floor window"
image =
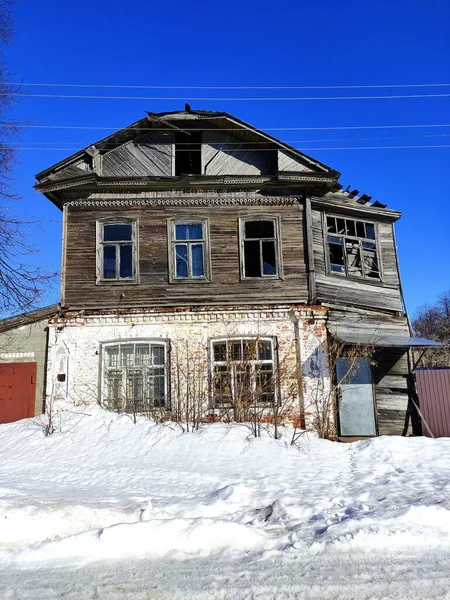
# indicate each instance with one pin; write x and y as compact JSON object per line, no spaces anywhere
{"x":117,"y":251}
{"x":243,"y":372}
{"x":135,"y":376}
{"x":188,"y":153}
{"x":352,"y":247}
{"x":260,"y":248}
{"x":189,"y":250}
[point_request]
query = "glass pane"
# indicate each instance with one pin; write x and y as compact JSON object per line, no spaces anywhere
{"x":242,"y":383}
{"x":127,"y":355}
{"x":249,"y":347}
{"x":189,"y":231}
{"x":265,"y":351}
{"x":337,"y":268}
{"x":331,"y":225}
{"x":181,"y":260}
{"x":220,"y":351}
{"x":157,"y":391}
{"x":269,"y":259}
{"x":109,"y":262}
{"x":252,"y":264}
{"x":264,"y":379}
{"x":142,"y":354}
{"x":369,"y":245}
{"x":354,"y":266}
{"x":236,"y":351}
{"x":114,"y":387}
{"x":334,"y":239}
{"x":336,"y":257}
{"x":370,"y":231}
{"x":259,"y":229}
{"x":181,"y":232}
{"x":158,"y":355}
{"x":222,"y":385}
{"x":120,"y":232}
{"x":340,"y":225}
{"x":360,"y":230}
{"x":197,"y":260}
{"x":112,"y":356}
{"x":351,"y":227}
{"x":126,"y":261}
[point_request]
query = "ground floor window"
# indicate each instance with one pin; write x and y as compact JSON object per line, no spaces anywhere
{"x":135,"y":376}
{"x":243,"y":372}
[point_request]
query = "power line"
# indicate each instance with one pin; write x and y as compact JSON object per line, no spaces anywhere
{"x":266,"y":150}
{"x":224,"y":99}
{"x":230,"y":87}
{"x":251,"y":144}
{"x":334,"y":128}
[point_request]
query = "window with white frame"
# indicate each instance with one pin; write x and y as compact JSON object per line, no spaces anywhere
{"x":243,"y":372}
{"x":135,"y":376}
{"x":352,"y":247}
{"x":260,"y":248}
{"x":189,"y":250}
{"x":117,"y":251}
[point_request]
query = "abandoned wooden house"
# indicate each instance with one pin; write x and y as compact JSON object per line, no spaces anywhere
{"x":210,"y":267}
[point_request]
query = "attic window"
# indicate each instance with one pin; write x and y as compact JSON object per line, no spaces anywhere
{"x":188,"y":153}
{"x":352,"y":248}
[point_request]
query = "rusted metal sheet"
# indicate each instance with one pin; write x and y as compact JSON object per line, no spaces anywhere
{"x":17,"y":391}
{"x":433,"y":387}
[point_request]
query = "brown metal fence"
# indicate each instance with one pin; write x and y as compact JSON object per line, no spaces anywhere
{"x":433,"y":388}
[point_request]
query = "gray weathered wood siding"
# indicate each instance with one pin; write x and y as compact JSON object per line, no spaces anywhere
{"x":384,"y":294}
{"x":390,"y":365}
{"x":154,"y":289}
{"x":224,"y":155}
{"x":287,"y":162}
{"x":147,"y":155}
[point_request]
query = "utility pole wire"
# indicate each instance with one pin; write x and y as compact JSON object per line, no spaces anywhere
{"x":230,"y":87}
{"x":225,"y":99}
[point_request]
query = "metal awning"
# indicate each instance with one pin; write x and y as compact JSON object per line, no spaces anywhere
{"x":378,"y":340}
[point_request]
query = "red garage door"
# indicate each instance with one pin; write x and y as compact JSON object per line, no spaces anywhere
{"x":17,"y":391}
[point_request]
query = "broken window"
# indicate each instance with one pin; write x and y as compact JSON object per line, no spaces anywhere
{"x":243,"y":372}
{"x":259,"y":239}
{"x":352,"y":247}
{"x":189,"y":250}
{"x":117,"y":251}
{"x":188,"y":153}
{"x":135,"y":375}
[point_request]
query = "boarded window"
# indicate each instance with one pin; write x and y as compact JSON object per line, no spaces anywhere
{"x":352,"y":248}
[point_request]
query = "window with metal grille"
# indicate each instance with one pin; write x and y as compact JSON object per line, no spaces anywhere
{"x":189,"y":242}
{"x":243,"y":372}
{"x":260,"y":248}
{"x":352,"y":247}
{"x":117,"y":251}
{"x":135,"y":376}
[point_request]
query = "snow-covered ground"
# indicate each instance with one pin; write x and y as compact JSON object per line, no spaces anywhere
{"x":105,"y":508}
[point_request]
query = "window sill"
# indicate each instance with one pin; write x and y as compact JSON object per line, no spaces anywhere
{"x":265,"y":278}
{"x":187,"y":281}
{"x":116,"y":282}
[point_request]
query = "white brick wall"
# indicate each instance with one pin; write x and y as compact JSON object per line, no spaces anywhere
{"x":75,"y":346}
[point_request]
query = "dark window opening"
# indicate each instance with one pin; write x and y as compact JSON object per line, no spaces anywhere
{"x":188,"y":153}
{"x":260,"y":249}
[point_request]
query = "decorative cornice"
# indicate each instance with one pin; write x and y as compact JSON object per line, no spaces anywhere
{"x":227,"y":316}
{"x":189,"y":201}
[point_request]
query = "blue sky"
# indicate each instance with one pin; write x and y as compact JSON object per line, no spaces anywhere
{"x":253,"y":43}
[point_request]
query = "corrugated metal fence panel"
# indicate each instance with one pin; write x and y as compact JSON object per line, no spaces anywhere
{"x":433,"y":387}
